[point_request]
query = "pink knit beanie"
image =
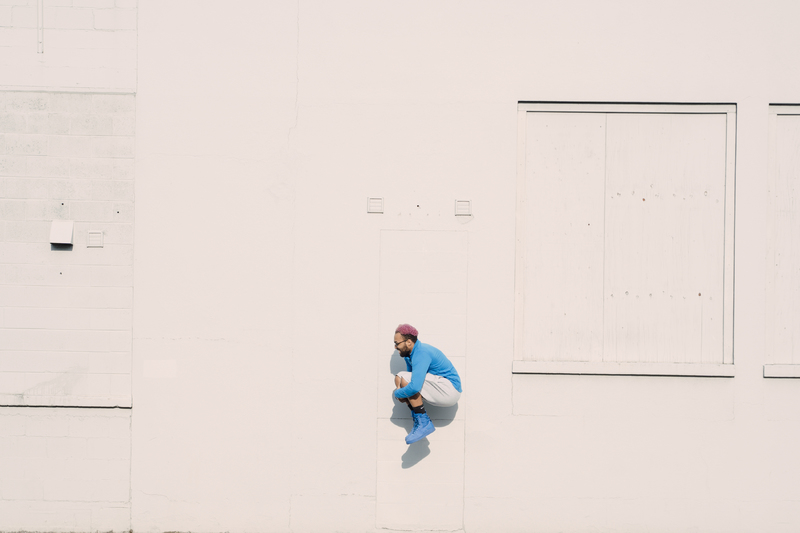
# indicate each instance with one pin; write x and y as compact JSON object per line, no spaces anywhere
{"x":407,"y":329}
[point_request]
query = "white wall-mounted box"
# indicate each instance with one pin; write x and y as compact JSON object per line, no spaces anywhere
{"x":463,"y":208}
{"x":94,"y":239}
{"x":61,"y":232}
{"x":375,"y":205}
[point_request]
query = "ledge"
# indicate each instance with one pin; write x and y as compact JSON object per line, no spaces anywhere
{"x":624,"y":369}
{"x":83,"y":402}
{"x":782,"y":371}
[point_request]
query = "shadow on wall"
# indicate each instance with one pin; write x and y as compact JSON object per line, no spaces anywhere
{"x":401,"y":416}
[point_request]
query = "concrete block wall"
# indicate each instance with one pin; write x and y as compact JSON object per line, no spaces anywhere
{"x":64,"y":469}
{"x":261,"y":363}
{"x":65,"y":315}
{"x":85,"y":43}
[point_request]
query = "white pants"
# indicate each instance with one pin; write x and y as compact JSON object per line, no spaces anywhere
{"x":436,"y":390}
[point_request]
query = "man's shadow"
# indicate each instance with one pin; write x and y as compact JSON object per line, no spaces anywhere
{"x":401,"y":416}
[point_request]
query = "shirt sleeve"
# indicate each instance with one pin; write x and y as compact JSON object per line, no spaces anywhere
{"x":419,"y":370}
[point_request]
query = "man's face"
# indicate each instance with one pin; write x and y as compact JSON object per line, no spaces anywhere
{"x":401,"y":345}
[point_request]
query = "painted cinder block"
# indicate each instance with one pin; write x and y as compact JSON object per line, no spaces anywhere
{"x":70,"y":189}
{"x":58,"y":488}
{"x":111,"y":364}
{"x":120,"y":191}
{"x":91,"y":125}
{"x":112,"y":276}
{"x":112,"y":146}
{"x":68,"y":297}
{"x":77,"y":103}
{"x":123,"y":169}
{"x":51,"y":516}
{"x":36,"y":318}
{"x":91,"y":211}
{"x":48,"y":167}
{"x":27,"y":101}
{"x":110,"y":319}
{"x":91,"y":39}
{"x":22,"y":252}
{"x":46,"y":210}
{"x":117,"y":365}
{"x":63,"y":447}
{"x":113,"y":103}
{"x":51,"y":3}
{"x":67,"y":319}
{"x":53,"y":275}
{"x":70,"y":146}
{"x":23,"y":489}
{"x":124,"y":124}
{"x":50,"y":123}
{"x":120,"y":429}
{"x":12,"y":425}
{"x":13,"y":209}
{"x":65,"y":340}
{"x":46,"y":426}
{"x":94,"y":168}
{"x":13,"y":38}
{"x":68,"y":18}
{"x":115,"y":19}
{"x":12,"y":468}
{"x":25,"y":446}
{"x":89,"y":426}
{"x":93,"y":3}
{"x":25,"y":189}
{"x":122,"y":211}
{"x":109,"y":490}
{"x":23,"y":17}
{"x":14,"y":123}
{"x":108,"y":448}
{"x":5,"y":16}
{"x":25,"y":144}
{"x":13,"y":165}
{"x":16,"y":362}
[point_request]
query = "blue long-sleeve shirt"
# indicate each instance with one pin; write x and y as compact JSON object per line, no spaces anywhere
{"x":425,"y":359}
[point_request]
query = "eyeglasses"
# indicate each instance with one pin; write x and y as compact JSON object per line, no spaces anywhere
{"x":396,"y":344}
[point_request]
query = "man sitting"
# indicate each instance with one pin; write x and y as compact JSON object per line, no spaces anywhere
{"x":430,"y":377}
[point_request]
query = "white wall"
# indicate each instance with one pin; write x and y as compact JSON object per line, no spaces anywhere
{"x":260,"y":366}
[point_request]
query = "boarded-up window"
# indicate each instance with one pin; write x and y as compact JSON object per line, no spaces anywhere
{"x":625,"y":239}
{"x":783,"y":257}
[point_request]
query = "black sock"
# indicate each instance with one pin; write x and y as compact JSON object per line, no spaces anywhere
{"x":419,"y":410}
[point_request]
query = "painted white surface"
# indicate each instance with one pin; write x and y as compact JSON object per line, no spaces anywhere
{"x":423,"y":281}
{"x":260,"y":129}
{"x":66,"y":159}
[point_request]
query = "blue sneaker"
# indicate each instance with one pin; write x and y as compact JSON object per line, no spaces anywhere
{"x":422,"y":428}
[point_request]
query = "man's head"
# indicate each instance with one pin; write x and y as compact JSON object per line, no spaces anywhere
{"x":405,"y":336}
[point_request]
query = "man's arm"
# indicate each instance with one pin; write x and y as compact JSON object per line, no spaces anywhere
{"x":418,"y":373}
